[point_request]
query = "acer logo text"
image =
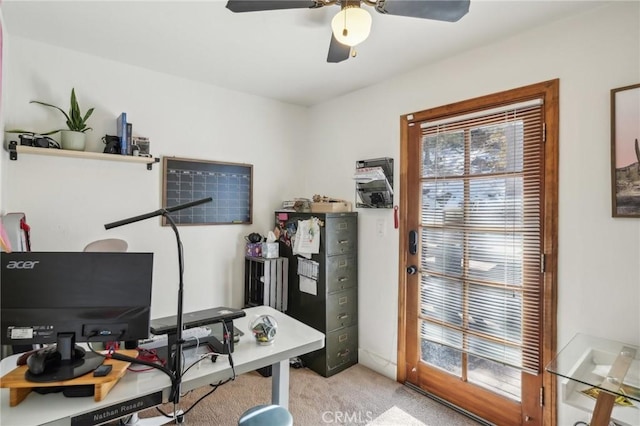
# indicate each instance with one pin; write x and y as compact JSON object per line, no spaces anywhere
{"x":22,"y":264}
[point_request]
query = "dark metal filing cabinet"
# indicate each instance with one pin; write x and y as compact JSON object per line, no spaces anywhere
{"x":333,"y":309}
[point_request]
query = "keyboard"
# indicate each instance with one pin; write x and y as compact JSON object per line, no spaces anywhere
{"x":191,"y":335}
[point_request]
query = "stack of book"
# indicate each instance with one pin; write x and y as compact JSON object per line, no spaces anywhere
{"x":125,"y":134}
{"x":129,"y":144}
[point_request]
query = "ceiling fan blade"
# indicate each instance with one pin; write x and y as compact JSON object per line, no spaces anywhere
{"x":439,"y":10}
{"x":259,"y":5}
{"x":338,"y":52}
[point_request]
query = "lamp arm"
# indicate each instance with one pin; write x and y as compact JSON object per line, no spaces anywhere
{"x":175,"y":388}
{"x":176,"y":379}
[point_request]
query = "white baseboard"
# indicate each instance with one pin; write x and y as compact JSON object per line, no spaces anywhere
{"x":377,"y":363}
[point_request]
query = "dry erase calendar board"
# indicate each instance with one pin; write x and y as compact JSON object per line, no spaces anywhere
{"x":229,"y":184}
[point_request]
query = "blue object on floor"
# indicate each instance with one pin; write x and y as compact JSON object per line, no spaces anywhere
{"x":266,"y":415}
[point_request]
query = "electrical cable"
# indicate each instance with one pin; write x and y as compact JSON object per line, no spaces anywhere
{"x":214,"y":386}
{"x":226,"y":337}
{"x":150,"y":355}
{"x":120,"y":357}
{"x":151,"y":364}
{"x":227,"y":342}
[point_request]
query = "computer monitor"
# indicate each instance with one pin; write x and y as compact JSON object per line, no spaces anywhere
{"x":69,"y":297}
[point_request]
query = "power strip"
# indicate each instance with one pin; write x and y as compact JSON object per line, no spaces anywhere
{"x":188,"y":334}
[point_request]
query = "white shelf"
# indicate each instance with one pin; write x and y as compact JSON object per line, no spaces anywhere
{"x":16,"y":150}
{"x":572,"y":390}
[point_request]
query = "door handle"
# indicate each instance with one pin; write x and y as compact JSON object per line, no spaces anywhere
{"x":413,"y":242}
{"x":412,"y":270}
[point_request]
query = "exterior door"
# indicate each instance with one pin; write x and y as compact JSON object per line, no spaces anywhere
{"x":477,"y":257}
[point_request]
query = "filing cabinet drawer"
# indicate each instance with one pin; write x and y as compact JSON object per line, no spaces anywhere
{"x":342,"y":272}
{"x":342,"y":347}
{"x":341,"y":235}
{"x":342,"y":309}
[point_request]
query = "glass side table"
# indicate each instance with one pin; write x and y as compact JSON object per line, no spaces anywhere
{"x":600,"y":371}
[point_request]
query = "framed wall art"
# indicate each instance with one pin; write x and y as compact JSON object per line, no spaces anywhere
{"x":625,"y":151}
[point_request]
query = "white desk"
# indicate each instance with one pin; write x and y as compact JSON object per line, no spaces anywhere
{"x":293,"y":339}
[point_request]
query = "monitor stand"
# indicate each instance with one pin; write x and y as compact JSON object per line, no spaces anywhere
{"x":74,"y":362}
{"x":67,"y":369}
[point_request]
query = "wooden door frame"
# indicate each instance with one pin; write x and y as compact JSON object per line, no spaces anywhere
{"x":549,"y":92}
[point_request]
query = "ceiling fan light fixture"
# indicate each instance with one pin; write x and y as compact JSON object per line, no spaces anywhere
{"x":351,"y":26}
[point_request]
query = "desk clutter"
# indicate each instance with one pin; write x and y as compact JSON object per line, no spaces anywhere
{"x":317,"y":204}
{"x":212,"y":329}
{"x":99,"y":387}
{"x":259,"y":246}
{"x":139,"y":391}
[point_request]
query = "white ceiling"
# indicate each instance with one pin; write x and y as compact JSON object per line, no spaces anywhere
{"x":276,"y":54}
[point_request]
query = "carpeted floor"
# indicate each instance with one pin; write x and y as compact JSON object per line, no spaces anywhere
{"x":356,"y":396}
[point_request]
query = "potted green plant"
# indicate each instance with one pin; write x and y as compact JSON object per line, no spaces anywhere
{"x":73,"y":137}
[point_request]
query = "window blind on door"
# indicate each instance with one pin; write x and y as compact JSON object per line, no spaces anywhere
{"x":481,"y":210}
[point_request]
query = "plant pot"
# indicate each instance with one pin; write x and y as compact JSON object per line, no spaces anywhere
{"x":72,"y":140}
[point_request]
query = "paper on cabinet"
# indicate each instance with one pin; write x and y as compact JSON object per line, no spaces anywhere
{"x":307,"y":285}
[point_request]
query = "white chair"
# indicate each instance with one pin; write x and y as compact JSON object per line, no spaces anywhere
{"x":107,"y":245}
{"x":266,"y":415}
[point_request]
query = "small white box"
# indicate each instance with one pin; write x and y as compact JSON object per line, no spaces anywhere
{"x":270,"y":250}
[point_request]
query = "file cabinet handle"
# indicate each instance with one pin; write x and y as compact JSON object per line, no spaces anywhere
{"x":343,"y":242}
{"x":343,"y":353}
{"x":343,"y":279}
{"x":343,"y":316}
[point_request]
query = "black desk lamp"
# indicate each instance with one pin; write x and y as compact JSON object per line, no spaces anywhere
{"x":177,"y":367}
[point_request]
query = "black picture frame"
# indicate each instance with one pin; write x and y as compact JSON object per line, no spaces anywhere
{"x":625,"y":151}
{"x":229,"y":184}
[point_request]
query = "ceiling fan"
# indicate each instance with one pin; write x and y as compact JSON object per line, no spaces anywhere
{"x":351,"y":26}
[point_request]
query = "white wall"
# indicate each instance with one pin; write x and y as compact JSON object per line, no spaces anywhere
{"x":67,"y":201}
{"x":599,"y":276}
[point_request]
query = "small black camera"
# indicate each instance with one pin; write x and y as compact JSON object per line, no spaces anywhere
{"x":112,"y":144}
{"x":37,"y":141}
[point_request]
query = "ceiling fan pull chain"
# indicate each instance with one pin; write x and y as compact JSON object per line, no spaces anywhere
{"x":345,"y":32}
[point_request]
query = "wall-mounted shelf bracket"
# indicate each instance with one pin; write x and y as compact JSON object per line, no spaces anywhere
{"x":13,"y":152}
